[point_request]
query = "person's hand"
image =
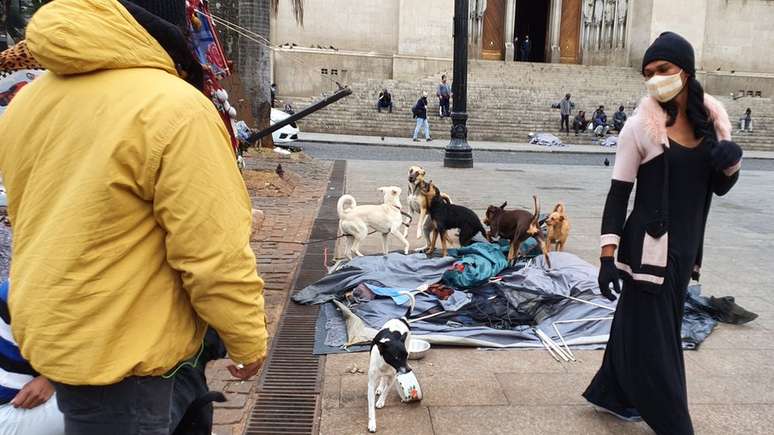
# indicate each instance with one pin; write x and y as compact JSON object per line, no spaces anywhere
{"x":608,"y":274}
{"x":35,"y":393}
{"x":245,"y":372}
{"x":725,"y":155}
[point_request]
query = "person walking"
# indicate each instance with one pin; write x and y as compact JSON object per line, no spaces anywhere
{"x":444,"y":96}
{"x":420,"y":113}
{"x":565,"y":110}
{"x":678,"y":149}
{"x":131,"y":221}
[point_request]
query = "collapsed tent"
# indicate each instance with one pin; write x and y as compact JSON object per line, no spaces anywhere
{"x":511,"y":309}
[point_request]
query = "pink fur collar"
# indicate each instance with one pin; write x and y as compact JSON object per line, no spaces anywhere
{"x":654,"y":118}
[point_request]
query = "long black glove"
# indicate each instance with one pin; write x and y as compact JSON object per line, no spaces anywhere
{"x":608,"y":274}
{"x":725,"y":154}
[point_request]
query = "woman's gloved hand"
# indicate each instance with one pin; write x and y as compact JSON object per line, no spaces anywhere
{"x":725,"y":155}
{"x":608,"y":274}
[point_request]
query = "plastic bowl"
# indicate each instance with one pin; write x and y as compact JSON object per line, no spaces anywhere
{"x":418,"y":348}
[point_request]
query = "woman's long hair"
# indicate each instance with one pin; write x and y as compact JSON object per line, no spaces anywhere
{"x":695,"y":110}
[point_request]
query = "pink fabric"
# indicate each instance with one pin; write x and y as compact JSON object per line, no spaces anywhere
{"x":645,"y":133}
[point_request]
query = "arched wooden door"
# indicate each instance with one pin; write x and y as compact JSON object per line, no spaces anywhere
{"x":493,"y":41}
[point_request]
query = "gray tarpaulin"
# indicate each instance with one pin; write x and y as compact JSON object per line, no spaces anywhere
{"x":541,"y":295}
{"x":393,"y":270}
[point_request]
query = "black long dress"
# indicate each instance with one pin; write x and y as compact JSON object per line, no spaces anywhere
{"x":643,"y":366}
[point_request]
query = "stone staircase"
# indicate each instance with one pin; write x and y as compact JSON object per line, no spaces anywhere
{"x":507,"y":101}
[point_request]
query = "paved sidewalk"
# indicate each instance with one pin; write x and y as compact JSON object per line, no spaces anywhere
{"x":469,"y":391}
{"x":289,"y":213}
{"x":476,"y":145}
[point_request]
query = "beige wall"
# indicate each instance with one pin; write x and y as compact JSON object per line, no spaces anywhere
{"x":298,"y":72}
{"x":740,"y":36}
{"x":686,"y":17}
{"x":426,"y":28}
{"x":365,"y":25}
{"x":640,"y":22}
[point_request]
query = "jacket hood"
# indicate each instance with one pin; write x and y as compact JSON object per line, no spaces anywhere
{"x":81,"y":36}
{"x":654,"y":118}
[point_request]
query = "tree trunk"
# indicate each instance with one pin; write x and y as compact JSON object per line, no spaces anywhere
{"x":254,"y":61}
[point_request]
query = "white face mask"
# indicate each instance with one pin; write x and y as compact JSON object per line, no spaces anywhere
{"x":664,"y":88}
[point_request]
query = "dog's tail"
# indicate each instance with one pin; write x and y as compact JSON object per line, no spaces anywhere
{"x":446,"y":198}
{"x":341,"y":206}
{"x":412,"y":304}
{"x":536,"y":216}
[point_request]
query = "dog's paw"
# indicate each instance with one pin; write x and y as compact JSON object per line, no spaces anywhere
{"x":380,"y":402}
{"x":372,"y":426}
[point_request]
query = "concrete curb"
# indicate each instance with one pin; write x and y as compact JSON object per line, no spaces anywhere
{"x":439,"y":144}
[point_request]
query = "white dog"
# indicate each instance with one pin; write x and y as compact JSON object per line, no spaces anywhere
{"x":389,"y":357}
{"x":355,"y":220}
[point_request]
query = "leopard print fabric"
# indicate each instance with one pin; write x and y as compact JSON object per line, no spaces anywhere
{"x":17,"y":58}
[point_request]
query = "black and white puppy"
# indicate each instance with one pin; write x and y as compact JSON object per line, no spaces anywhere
{"x":389,"y":356}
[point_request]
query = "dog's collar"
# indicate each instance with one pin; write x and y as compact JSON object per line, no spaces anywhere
{"x":407,"y":224}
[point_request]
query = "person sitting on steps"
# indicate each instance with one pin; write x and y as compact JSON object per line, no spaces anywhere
{"x":385,"y":101}
{"x":745,"y":122}
{"x":600,"y":122}
{"x":580,"y":123}
{"x":619,"y":119}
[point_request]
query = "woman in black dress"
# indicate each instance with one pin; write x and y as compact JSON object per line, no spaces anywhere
{"x":677,"y":148}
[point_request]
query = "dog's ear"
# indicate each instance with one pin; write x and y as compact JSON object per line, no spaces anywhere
{"x":381,"y":189}
{"x":504,"y":204}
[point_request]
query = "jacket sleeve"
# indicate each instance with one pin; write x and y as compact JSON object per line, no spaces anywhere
{"x":723,"y":181}
{"x":627,"y":163}
{"x":201,"y":202}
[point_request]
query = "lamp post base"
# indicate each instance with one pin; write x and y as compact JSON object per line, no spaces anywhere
{"x":458,"y":153}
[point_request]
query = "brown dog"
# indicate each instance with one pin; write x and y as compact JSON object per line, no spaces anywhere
{"x":516,"y":226}
{"x":558,"y":228}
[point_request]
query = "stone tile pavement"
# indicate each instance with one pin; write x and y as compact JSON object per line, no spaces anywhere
{"x":472,"y":391}
{"x":287,"y":217}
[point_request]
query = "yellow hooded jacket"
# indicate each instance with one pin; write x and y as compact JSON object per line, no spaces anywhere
{"x":131,"y":221}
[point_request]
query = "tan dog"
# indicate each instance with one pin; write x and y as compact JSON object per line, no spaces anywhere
{"x":558,"y":228}
{"x":418,"y":204}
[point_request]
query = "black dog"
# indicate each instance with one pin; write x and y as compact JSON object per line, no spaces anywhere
{"x":198,"y":417}
{"x":446,"y":216}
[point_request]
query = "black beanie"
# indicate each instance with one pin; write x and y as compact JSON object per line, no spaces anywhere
{"x":673,"y":48}
{"x":172,"y":11}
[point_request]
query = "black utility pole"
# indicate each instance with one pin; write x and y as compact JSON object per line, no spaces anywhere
{"x":458,"y":152}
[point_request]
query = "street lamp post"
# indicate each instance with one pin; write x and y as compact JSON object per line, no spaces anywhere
{"x":458,"y":152}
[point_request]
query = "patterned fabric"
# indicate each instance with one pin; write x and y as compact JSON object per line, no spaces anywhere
{"x":16,"y":58}
{"x":15,"y":372}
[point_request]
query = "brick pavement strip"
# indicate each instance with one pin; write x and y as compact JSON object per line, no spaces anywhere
{"x":286,"y":218}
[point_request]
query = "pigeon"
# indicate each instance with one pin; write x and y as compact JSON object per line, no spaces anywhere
{"x":279,"y":171}
{"x":607,"y":162}
{"x":717,"y":69}
{"x":733,"y":71}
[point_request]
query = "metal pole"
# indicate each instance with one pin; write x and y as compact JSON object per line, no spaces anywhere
{"x":458,"y":152}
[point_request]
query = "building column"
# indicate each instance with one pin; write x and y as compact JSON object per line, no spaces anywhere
{"x":555,"y":20}
{"x":510,"y":20}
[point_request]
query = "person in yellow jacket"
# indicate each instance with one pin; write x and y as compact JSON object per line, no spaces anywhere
{"x":131,"y":221}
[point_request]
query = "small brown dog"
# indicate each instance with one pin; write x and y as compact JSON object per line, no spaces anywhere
{"x":516,"y":226}
{"x":558,"y":228}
